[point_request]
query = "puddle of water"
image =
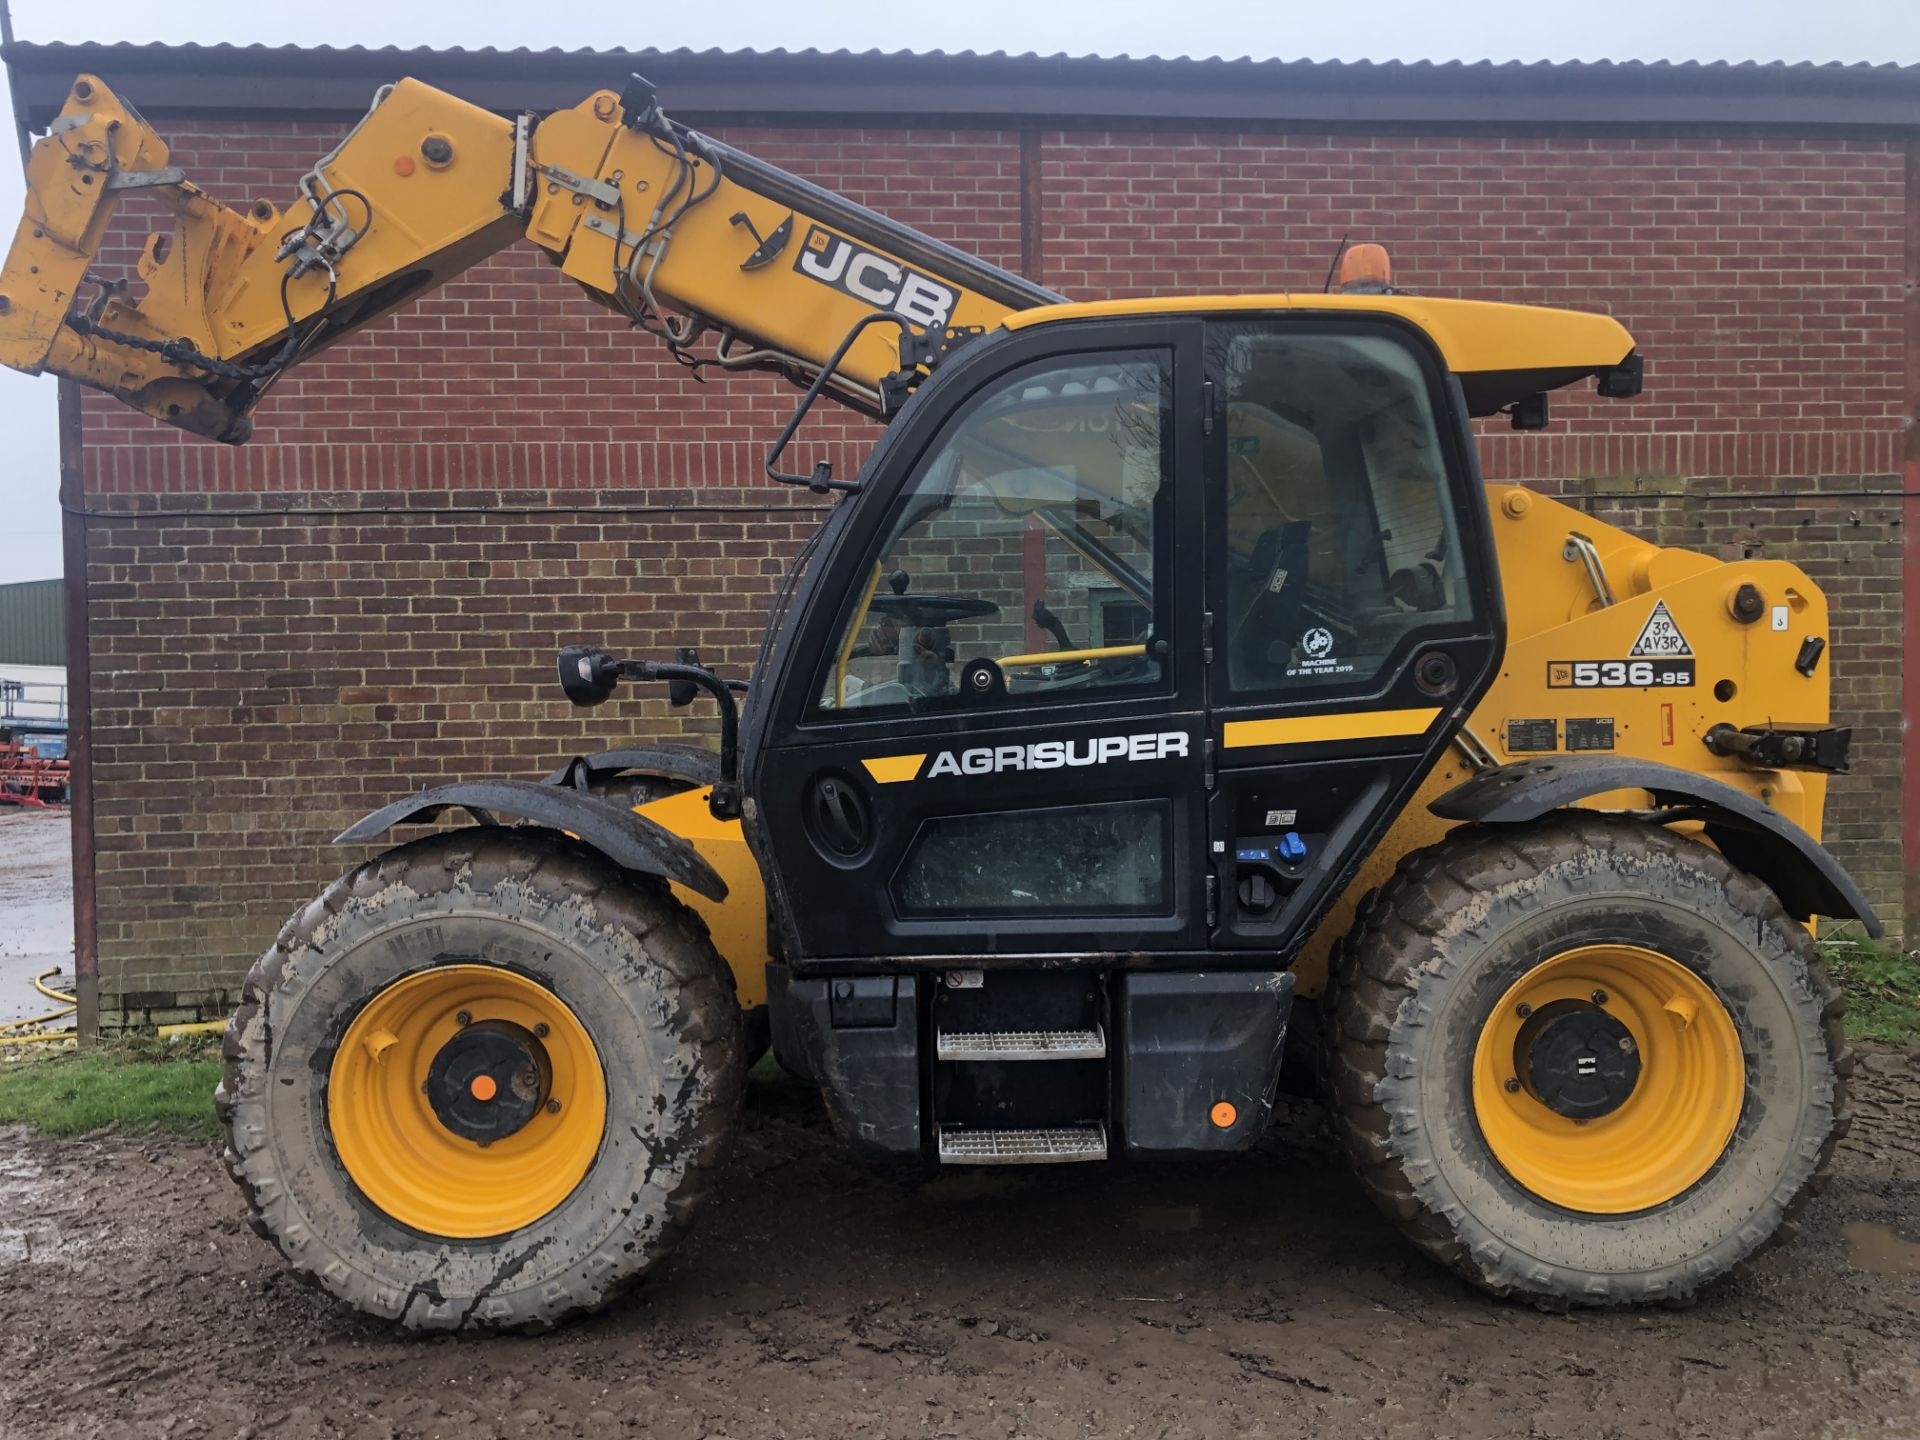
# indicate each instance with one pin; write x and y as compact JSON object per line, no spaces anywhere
{"x":42,"y":1234}
{"x":1881,"y":1249}
{"x":1167,"y":1219}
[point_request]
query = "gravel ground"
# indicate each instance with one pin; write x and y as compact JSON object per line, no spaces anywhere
{"x":825,"y":1297}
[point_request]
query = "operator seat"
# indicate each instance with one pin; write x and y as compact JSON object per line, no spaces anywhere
{"x":1268,"y":595}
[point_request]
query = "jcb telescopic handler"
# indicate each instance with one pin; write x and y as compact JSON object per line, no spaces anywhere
{"x":1166,"y":680}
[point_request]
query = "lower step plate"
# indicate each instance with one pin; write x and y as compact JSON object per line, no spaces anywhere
{"x":1023,"y":1147}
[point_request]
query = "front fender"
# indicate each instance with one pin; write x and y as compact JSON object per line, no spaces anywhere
{"x":1759,"y":840}
{"x":631,"y":841}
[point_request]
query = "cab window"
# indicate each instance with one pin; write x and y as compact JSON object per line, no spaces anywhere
{"x":1340,"y":536}
{"x":1027,"y":562}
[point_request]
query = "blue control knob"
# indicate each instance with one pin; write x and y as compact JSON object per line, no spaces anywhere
{"x":1292,"y":849}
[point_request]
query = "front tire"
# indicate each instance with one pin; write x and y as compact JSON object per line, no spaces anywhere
{"x":637,"y":789}
{"x":1586,"y":1062}
{"x":483,"y":1082}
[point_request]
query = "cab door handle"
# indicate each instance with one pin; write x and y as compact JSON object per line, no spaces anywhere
{"x":839,"y":816}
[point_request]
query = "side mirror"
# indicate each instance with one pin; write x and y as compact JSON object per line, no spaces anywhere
{"x":1529,"y":412}
{"x":588,"y":674}
{"x":682,"y":693}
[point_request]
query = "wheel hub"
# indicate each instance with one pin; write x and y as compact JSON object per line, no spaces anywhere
{"x":489,"y":1080}
{"x":466,"y":1101}
{"x":1577,"y":1060}
{"x":1608,"y":1079}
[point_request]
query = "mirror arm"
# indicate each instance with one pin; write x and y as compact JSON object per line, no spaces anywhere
{"x":589,"y":674}
{"x":821,"y":481}
{"x":724,"y":800}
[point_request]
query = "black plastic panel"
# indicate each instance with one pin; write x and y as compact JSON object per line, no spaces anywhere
{"x":867,"y":1063}
{"x":1191,"y":1041}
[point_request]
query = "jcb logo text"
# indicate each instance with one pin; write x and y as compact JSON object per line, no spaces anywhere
{"x":835,"y":260}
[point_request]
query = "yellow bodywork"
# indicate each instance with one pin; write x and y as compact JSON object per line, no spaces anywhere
{"x":1317,"y":729}
{"x":435,"y":180}
{"x":428,"y":185}
{"x":213,"y":283}
{"x":1474,"y":336}
{"x":1555,"y":616}
{"x":738,"y":923}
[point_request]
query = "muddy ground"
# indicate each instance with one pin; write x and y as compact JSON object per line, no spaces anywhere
{"x":825,"y":1297}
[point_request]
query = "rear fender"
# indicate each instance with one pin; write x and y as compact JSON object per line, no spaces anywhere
{"x":1757,"y":839}
{"x":631,"y":841}
{"x":699,"y":768}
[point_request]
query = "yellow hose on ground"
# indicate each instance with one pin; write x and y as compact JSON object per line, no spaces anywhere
{"x":45,"y":1019}
{"x":63,"y":1037}
{"x":201,"y":1027}
{"x":40,"y":984}
{"x":67,"y":1004}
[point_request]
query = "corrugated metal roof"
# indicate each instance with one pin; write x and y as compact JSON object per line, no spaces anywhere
{"x":1211,"y":62}
{"x":846,"y":84}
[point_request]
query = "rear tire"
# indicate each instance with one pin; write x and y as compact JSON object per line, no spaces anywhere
{"x":628,"y":972}
{"x":1433,"y":964}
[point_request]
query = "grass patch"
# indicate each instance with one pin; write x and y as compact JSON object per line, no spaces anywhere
{"x":1883,"y":991}
{"x":767,"y":1071}
{"x":128,"y":1087}
{"x":767,"y":1082}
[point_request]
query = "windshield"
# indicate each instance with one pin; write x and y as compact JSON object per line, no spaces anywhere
{"x":1024,"y":558}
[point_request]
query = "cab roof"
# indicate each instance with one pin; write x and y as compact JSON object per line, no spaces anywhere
{"x":1501,"y":352}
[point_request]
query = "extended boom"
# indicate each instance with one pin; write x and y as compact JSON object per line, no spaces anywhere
{"x":730,"y":261}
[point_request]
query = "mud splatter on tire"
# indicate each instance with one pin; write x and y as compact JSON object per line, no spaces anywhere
{"x":635,"y":966}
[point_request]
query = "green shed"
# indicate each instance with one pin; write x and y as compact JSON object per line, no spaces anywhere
{"x":32,"y":623}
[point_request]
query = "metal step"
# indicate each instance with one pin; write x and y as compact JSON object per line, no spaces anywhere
{"x":1023,"y":1147}
{"x":1023,"y":1045}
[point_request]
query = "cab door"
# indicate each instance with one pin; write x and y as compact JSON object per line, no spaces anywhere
{"x":1354,"y":607}
{"x":989,"y":736}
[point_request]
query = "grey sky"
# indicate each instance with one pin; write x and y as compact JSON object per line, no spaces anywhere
{"x":1793,"y":30}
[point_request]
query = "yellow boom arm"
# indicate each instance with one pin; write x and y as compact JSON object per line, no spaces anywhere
{"x":730,"y":261}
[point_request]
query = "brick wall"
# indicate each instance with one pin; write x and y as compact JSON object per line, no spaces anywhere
{"x":262,"y":680}
{"x":507,"y":468}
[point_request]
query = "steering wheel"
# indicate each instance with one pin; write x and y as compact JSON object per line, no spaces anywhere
{"x":918,"y":610}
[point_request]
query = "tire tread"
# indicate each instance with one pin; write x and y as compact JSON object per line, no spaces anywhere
{"x":1374,"y":971}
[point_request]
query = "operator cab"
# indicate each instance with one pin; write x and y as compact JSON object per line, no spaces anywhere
{"x":1110,"y":584}
{"x":1145,"y":623}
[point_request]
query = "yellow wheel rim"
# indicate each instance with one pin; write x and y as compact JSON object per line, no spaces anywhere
{"x":401,"y":1153}
{"x":1672,"y":1126}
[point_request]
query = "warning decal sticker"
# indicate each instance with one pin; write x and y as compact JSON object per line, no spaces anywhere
{"x":1660,"y":638}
